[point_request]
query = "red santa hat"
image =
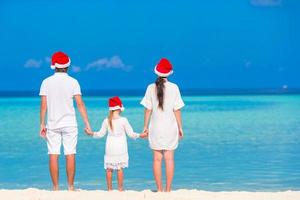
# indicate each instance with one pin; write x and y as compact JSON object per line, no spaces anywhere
{"x":60,"y":60}
{"x":163,"y":68}
{"x":115,"y":103}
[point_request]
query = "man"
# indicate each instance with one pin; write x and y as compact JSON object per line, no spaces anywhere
{"x":57,"y":93}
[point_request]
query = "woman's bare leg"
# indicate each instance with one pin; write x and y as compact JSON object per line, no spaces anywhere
{"x":109,"y":173}
{"x":169,"y":160}
{"x":157,"y":158}
{"x":120,"y":179}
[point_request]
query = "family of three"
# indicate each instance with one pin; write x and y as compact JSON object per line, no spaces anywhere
{"x":162,"y":124}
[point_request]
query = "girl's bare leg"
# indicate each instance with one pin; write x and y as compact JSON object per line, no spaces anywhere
{"x":109,"y":173}
{"x":169,"y":160}
{"x":157,"y":158}
{"x":120,"y":179}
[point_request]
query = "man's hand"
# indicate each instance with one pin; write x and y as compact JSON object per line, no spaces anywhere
{"x":43,"y":131}
{"x":87,"y":127}
{"x":180,"y":132}
{"x":89,"y":132}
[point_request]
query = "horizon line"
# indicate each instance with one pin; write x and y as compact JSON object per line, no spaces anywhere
{"x":185,"y":92}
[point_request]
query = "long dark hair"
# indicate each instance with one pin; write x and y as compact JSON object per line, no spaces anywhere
{"x":160,"y":87}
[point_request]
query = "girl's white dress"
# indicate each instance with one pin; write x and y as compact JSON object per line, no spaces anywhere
{"x":163,"y":129}
{"x":116,"y":152}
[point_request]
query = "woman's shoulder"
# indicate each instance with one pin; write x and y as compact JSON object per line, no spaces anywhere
{"x":151,"y":86}
{"x":172,"y":85}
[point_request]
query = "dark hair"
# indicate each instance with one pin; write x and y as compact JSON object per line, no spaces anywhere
{"x":160,"y":87}
{"x":65,"y":70}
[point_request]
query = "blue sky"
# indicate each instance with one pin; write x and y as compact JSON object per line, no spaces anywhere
{"x":114,"y":44}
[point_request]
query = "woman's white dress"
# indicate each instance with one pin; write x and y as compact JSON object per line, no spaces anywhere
{"x":163,"y":129}
{"x":116,"y":152}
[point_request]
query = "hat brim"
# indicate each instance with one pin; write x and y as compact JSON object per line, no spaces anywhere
{"x":162,"y":74}
{"x":61,"y":66}
{"x":117,"y":108}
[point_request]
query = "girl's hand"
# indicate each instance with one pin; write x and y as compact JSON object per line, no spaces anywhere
{"x":180,"y":132}
{"x":89,"y":132}
{"x":43,"y":131}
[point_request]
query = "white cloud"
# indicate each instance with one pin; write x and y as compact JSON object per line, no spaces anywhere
{"x":75,"y":68}
{"x":33,"y":63}
{"x":114,"y":62}
{"x":266,"y":3}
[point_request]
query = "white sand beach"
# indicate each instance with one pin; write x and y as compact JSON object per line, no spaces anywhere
{"x":36,"y":194}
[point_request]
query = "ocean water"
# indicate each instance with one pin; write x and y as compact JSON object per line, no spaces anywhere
{"x":247,"y":142}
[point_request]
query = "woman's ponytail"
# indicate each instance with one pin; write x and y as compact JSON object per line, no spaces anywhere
{"x":160,"y":87}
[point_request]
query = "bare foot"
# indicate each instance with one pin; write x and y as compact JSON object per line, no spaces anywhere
{"x":121,"y":189}
{"x":71,"y":188}
{"x":55,"y":188}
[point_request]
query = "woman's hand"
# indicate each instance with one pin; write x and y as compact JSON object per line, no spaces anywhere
{"x":43,"y":131}
{"x":144,"y":134}
{"x":89,"y":132}
{"x":180,"y":132}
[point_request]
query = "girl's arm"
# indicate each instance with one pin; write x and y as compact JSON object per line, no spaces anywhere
{"x":129,"y":130}
{"x":179,"y":122}
{"x":146,"y":119}
{"x":101,"y":133}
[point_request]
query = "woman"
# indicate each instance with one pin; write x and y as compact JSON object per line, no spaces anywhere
{"x":162,"y":103}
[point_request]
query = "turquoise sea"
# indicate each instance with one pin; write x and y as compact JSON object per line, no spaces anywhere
{"x":232,"y":142}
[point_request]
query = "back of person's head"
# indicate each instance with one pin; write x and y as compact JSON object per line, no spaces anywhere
{"x":115,"y":105}
{"x":60,"y":62}
{"x":63,"y":70}
{"x":163,"y":69}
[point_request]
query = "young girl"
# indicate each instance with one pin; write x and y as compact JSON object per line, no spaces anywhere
{"x":162,"y":104}
{"x":116,"y":153}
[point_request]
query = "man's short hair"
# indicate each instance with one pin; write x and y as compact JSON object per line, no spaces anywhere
{"x":61,"y":69}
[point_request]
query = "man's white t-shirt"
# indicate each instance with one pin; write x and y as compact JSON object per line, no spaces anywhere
{"x":59,"y":90}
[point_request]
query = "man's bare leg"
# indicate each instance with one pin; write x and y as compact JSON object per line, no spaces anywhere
{"x":70,"y":167}
{"x":53,"y":167}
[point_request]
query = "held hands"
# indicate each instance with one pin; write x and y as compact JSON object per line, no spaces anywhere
{"x":88,"y":131}
{"x":43,"y":131}
{"x":145,"y":133}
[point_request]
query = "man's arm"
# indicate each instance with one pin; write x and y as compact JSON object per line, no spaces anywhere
{"x":82,"y":110}
{"x":43,"y":110}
